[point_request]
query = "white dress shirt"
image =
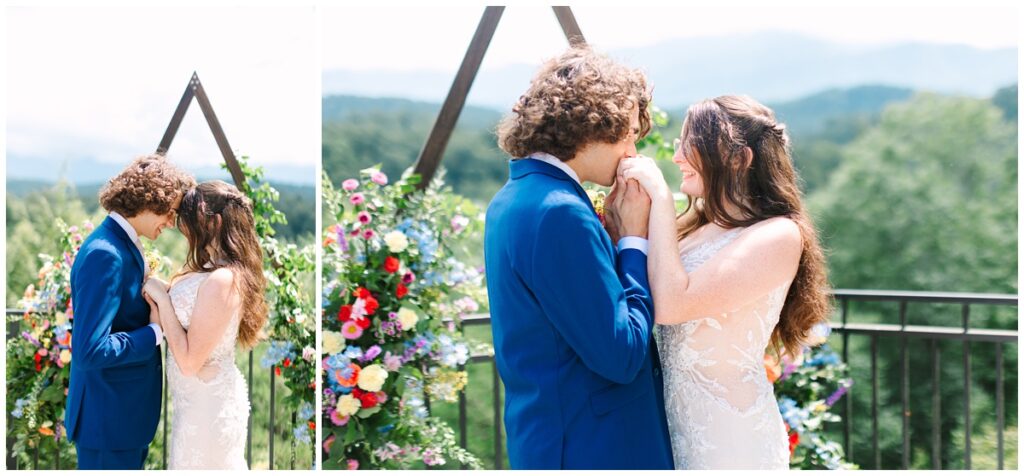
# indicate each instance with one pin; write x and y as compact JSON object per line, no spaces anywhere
{"x":626,"y":242}
{"x":134,"y":236}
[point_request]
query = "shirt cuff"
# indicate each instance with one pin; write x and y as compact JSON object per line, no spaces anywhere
{"x":159,"y":333}
{"x":633,"y":242}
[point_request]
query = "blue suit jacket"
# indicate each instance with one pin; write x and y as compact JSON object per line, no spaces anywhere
{"x":116,"y":375}
{"x":572,"y":331}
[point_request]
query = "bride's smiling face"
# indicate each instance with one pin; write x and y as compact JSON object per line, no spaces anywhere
{"x":692,"y":185}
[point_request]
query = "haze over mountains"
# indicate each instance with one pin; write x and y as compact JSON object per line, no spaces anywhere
{"x":771,"y":66}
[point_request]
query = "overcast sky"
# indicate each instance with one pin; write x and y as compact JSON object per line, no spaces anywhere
{"x":103,"y":82}
{"x":412,"y":38}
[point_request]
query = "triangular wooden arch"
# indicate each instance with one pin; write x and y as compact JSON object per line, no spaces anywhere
{"x":195,"y":90}
{"x":437,"y":141}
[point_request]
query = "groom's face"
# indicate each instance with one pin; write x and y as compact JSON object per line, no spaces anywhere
{"x":152,"y":224}
{"x":609,"y":155}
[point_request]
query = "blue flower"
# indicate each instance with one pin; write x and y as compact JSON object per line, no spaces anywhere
{"x":306,"y":411}
{"x":278,"y":351}
{"x":301,"y":434}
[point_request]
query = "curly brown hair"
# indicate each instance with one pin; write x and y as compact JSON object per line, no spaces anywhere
{"x":149,"y":183}
{"x":577,"y":98}
{"x":717,"y":131}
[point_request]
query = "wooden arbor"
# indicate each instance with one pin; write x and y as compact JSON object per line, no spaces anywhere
{"x":430,"y":156}
{"x":195,"y":90}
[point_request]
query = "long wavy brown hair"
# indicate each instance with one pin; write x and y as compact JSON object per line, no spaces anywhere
{"x":716,"y":133}
{"x":218,"y":221}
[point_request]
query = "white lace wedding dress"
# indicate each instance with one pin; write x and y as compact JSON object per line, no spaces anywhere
{"x":721,"y":408}
{"x":209,"y":410}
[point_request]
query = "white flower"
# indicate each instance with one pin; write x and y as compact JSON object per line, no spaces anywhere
{"x":407,"y":318}
{"x":333,"y":342}
{"x":372,"y":378}
{"x":348,"y":405}
{"x":396,"y":241}
{"x":65,"y":356}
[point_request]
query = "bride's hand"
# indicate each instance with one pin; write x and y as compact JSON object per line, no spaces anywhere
{"x":644,"y":170}
{"x":155,"y":290}
{"x":611,"y":211}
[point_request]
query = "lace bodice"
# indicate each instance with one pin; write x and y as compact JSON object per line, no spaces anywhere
{"x":209,"y":410}
{"x":720,"y":405}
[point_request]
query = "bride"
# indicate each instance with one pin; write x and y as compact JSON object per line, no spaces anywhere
{"x":215,"y":302}
{"x":739,"y":273}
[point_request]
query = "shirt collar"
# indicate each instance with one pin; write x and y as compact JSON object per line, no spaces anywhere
{"x":128,"y":228}
{"x":555,"y":161}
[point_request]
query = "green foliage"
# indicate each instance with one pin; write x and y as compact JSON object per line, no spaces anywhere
{"x":393,"y":294}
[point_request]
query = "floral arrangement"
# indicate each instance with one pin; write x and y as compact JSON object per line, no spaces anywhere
{"x":39,"y":354}
{"x":807,"y":388}
{"x":393,"y":296}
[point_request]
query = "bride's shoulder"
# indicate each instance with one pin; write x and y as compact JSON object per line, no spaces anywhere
{"x":776,"y":234}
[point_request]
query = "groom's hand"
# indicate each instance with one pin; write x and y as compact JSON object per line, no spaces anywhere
{"x":154,"y":310}
{"x":634,"y":210}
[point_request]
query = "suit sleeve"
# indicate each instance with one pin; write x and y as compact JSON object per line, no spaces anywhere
{"x":97,"y":299}
{"x":605,"y":313}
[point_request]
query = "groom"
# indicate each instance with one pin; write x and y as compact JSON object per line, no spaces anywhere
{"x":572,"y":315}
{"x":113,"y":403}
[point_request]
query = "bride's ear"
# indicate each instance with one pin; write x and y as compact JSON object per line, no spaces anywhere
{"x":745,"y":158}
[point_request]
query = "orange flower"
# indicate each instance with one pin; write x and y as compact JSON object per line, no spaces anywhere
{"x":352,"y":380}
{"x":46,"y":431}
{"x":772,"y":368}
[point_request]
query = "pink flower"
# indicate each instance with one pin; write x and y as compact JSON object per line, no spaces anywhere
{"x":353,"y":465}
{"x":338,"y":420}
{"x":368,"y":234}
{"x":379,"y":178}
{"x":357,"y":198}
{"x":350,"y":185}
{"x":392,"y":362}
{"x":327,"y":444}
{"x":351,"y":330}
{"x":364,"y":217}
{"x":408,"y":277}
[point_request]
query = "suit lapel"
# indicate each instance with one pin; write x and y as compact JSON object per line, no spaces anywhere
{"x":116,"y":230}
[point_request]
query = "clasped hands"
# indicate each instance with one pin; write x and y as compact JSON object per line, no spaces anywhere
{"x":628,"y":206}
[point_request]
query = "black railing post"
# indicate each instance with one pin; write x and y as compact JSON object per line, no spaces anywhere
{"x":848,"y":403}
{"x":966,"y":316}
{"x":1000,"y":408}
{"x":936,"y":406}
{"x":271,"y":450}
{"x":874,"y":402}
{"x":499,"y":457}
{"x":291,"y":465}
{"x":905,"y":386}
{"x":463,"y":438}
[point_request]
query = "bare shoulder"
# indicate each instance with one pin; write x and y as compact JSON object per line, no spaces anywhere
{"x":220,"y":283}
{"x":778,"y":234}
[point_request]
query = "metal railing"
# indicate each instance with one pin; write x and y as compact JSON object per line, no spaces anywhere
{"x":13,"y":331}
{"x":935,"y":334}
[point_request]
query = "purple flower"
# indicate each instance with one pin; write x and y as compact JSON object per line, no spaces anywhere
{"x":342,"y":242}
{"x":350,"y":185}
{"x":370,"y":353}
{"x":832,"y":399}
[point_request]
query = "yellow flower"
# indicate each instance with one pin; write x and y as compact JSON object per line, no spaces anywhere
{"x":372,"y":378}
{"x":65,"y":356}
{"x":348,"y":405}
{"x":333,"y":342}
{"x":61,"y":318}
{"x":408,"y":318}
{"x":396,"y":241}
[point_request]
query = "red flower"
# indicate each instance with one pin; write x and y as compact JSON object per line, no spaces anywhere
{"x":371,"y":305}
{"x":345,"y":313}
{"x":363,"y":323}
{"x":362,"y":292}
{"x":401,"y":291}
{"x":391,"y":264}
{"x":794,"y":440}
{"x":277,"y":370}
{"x":369,"y":399}
{"x":312,"y":426}
{"x":287,"y":362}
